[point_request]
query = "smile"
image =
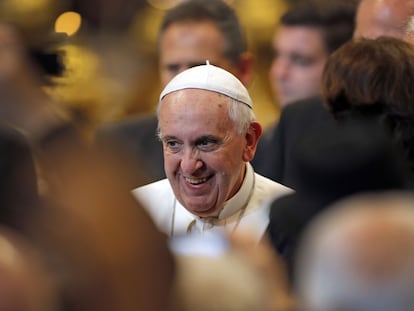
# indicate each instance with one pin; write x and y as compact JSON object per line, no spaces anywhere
{"x":195,"y":181}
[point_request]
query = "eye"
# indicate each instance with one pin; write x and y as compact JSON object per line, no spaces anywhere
{"x":207,"y":144}
{"x":172,"y":145}
{"x":172,"y":68}
{"x":302,"y":61}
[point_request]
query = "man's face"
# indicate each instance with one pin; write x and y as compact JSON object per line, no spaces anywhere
{"x":298,"y":63}
{"x":204,"y":156}
{"x":187,"y":44}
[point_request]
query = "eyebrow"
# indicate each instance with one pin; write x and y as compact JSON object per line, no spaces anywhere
{"x":167,"y":137}
{"x":196,"y":141}
{"x":208,"y":137}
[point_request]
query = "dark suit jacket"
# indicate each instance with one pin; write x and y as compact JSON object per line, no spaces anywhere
{"x":137,"y":138}
{"x":273,"y":157}
{"x":333,"y":161}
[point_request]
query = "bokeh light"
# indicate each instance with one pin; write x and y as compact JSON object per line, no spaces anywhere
{"x":68,"y":22}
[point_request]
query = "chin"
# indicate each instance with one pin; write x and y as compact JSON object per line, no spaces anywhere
{"x":203,"y":213}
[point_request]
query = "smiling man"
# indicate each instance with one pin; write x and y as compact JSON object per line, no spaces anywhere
{"x":209,"y":134}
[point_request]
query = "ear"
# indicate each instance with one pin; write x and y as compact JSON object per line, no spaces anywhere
{"x":245,"y":68}
{"x":252,"y":137}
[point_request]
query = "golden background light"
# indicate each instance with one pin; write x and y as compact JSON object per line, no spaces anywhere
{"x":68,"y":22}
{"x":24,"y":6}
{"x":163,"y":4}
{"x":91,"y":85}
{"x":32,"y":16}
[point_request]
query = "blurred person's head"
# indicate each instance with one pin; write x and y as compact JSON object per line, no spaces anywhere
{"x":237,"y":273}
{"x":392,"y":18}
{"x":209,"y":132}
{"x":17,"y":50}
{"x":221,"y":283}
{"x":307,"y":34}
{"x":102,"y":248}
{"x":115,"y":259}
{"x":359,"y":256}
{"x":23,"y":73}
{"x":196,"y":31}
{"x":373,"y":71}
{"x":377,"y":78}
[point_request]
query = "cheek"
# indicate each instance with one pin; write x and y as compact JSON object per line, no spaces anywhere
{"x":221,"y":163}
{"x":309,"y":79}
{"x":244,"y":153}
{"x":170,"y":161}
{"x":306,"y":74}
{"x":235,"y":155}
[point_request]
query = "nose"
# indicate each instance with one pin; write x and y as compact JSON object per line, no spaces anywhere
{"x":191,"y":161}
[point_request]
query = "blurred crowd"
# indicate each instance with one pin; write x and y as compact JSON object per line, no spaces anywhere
{"x":115,"y":45}
{"x":207,"y":155}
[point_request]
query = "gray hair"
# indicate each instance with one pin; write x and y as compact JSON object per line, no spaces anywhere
{"x":359,"y":256}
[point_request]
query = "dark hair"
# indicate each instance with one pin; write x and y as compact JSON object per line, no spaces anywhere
{"x":216,"y":11}
{"x":336,"y":19}
{"x":374,"y":78}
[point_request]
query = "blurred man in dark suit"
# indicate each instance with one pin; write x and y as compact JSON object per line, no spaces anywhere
{"x":308,"y":33}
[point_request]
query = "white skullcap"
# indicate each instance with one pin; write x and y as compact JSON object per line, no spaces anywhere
{"x":211,"y":78}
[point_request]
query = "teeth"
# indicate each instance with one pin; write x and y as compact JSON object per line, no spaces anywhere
{"x":195,"y":181}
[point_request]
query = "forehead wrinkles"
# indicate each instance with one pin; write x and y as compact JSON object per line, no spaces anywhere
{"x":200,"y":97}
{"x":197,"y":104}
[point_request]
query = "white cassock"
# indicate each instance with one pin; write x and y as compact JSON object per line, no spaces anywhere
{"x":248,"y":209}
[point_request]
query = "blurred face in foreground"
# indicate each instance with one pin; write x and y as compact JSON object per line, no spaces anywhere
{"x":204,"y":154}
{"x":299,"y":58}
